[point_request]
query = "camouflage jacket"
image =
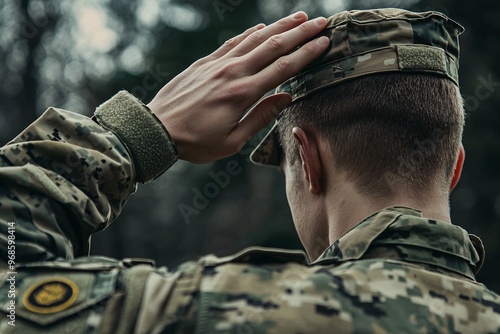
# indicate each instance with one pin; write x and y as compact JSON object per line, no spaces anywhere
{"x":66,"y":177}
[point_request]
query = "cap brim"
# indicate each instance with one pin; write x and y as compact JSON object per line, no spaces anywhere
{"x":268,"y":152}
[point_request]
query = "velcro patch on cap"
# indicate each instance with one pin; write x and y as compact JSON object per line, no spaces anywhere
{"x":51,"y":295}
{"x":421,"y":58}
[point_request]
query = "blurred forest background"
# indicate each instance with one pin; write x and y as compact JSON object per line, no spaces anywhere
{"x":76,"y":54}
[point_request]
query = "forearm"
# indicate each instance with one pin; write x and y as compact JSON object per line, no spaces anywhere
{"x":66,"y":177}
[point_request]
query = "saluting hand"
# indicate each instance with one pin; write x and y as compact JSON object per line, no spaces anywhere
{"x":203,"y":108}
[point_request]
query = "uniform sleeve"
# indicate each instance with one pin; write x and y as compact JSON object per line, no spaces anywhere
{"x":68,"y":176}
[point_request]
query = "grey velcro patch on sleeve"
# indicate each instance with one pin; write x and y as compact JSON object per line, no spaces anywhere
{"x":149,"y":143}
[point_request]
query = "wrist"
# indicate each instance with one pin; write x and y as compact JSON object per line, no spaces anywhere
{"x":177,"y":136}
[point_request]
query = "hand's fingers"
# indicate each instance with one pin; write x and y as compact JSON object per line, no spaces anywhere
{"x":281,"y":44}
{"x":260,"y":116}
{"x":235,"y":41}
{"x":287,"y":66}
{"x":257,"y":38}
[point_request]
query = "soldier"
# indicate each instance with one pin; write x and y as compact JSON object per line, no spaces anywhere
{"x":370,"y":144}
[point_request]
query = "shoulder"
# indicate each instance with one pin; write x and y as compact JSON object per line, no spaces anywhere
{"x":269,"y":289}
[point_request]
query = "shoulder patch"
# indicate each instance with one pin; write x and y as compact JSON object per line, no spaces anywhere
{"x":50,"y":295}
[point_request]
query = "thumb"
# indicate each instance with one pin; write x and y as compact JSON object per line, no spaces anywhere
{"x":263,"y":113}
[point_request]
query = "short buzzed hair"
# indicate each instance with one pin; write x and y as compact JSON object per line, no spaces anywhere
{"x":387,"y":131}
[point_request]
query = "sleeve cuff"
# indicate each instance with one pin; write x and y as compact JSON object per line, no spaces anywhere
{"x":153,"y":150}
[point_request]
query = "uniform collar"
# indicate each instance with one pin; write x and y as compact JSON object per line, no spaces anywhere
{"x":412,"y":238}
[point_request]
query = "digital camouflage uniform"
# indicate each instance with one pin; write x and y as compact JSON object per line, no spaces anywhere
{"x":67,"y":176}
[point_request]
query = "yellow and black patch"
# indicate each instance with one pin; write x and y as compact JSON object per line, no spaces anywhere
{"x":50,"y":295}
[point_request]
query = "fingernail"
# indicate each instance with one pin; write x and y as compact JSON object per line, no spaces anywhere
{"x":298,"y":15}
{"x":260,"y":26}
{"x":320,"y":21}
{"x":323,"y":40}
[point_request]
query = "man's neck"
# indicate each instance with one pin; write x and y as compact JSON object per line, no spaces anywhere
{"x":348,"y":207}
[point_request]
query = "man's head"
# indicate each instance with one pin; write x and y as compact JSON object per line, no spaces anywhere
{"x":390,"y":136}
{"x":377,"y":119}
{"x":388,"y":133}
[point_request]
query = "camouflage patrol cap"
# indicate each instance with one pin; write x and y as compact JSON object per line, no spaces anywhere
{"x":364,"y":42}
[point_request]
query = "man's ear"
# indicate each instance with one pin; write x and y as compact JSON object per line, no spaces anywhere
{"x":310,"y":158}
{"x":458,"y":167}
